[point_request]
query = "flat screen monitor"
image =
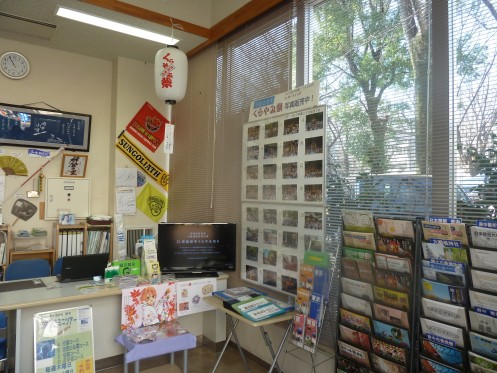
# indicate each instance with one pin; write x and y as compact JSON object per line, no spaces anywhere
{"x":196,"y":248}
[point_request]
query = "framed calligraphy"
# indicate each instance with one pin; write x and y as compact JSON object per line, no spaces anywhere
{"x":73,"y":165}
{"x":44,"y":128}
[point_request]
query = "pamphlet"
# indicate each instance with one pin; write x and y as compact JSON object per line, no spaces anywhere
{"x":258,"y":308}
{"x":238,"y":294}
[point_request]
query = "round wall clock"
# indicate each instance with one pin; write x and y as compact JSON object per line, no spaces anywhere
{"x":14,"y":65}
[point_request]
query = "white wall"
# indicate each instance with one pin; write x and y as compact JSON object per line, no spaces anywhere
{"x":111,"y":92}
{"x":134,"y":86}
{"x":68,"y":82}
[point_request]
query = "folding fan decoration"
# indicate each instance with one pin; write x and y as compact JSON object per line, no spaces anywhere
{"x":13,"y":166}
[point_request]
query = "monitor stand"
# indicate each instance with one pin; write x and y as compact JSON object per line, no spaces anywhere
{"x":195,"y":274}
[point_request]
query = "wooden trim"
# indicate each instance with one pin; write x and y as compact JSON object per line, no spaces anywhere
{"x":148,"y":15}
{"x":245,"y":14}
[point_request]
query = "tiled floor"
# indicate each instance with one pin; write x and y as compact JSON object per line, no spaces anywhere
{"x":200,"y":360}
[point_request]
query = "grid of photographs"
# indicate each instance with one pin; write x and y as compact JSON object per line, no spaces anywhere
{"x":283,"y":195}
{"x":283,"y":158}
{"x":377,"y":282}
{"x":274,"y":240}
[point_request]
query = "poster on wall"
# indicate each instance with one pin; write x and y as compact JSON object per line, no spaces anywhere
{"x":300,"y":98}
{"x":135,"y":154}
{"x":148,"y":305}
{"x":148,"y":126}
{"x":64,"y":341}
{"x":283,"y":196}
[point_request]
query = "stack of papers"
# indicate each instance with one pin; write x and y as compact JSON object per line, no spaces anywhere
{"x":252,"y":303}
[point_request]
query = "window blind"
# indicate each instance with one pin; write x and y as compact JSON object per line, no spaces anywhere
{"x":410,"y":101}
{"x":472,"y":105}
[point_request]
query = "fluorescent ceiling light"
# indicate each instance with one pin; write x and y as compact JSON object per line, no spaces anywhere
{"x":115,"y":26}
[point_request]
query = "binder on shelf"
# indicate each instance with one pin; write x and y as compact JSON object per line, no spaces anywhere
{"x":3,"y":253}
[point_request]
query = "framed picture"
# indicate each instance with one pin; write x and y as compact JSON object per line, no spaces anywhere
{"x":67,"y":219}
{"x":44,"y":128}
{"x":73,"y":165}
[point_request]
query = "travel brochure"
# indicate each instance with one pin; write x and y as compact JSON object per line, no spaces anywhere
{"x":483,"y":259}
{"x":448,"y":355}
{"x":458,"y":309}
{"x":376,"y":286}
{"x":395,"y":228}
{"x":252,"y":303}
{"x":258,"y":308}
{"x":310,"y":305}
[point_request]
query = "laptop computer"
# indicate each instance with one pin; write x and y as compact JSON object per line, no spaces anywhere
{"x":83,"y":267}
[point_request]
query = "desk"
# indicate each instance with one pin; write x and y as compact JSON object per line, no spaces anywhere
{"x":106,"y":306}
{"x":234,"y":318}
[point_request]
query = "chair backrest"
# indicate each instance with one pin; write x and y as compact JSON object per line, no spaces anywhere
{"x":3,"y":320}
{"x":27,"y":268}
{"x":57,"y":267}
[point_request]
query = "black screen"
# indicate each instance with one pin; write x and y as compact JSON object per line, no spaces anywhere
{"x":184,"y":247}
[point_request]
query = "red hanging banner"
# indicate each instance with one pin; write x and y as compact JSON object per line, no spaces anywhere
{"x":148,"y":127}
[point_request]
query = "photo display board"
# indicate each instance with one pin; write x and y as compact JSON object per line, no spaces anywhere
{"x":283,"y":196}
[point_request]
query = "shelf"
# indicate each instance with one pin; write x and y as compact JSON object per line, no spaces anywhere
{"x":79,"y":238}
{"x":47,"y":254}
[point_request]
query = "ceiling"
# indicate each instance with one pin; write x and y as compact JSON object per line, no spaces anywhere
{"x":202,"y":21}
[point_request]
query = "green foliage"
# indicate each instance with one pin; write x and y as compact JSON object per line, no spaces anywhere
{"x":470,"y":57}
{"x":485,"y":163}
{"x":360,"y":51}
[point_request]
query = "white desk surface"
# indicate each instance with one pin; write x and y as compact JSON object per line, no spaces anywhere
{"x":56,"y":292}
{"x":106,"y":305}
{"x":218,"y":303}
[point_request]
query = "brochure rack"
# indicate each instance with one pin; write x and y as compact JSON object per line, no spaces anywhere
{"x":440,"y":300}
{"x":377,"y":323}
{"x":457,"y":329}
{"x":321,"y":354}
{"x":311,"y":307}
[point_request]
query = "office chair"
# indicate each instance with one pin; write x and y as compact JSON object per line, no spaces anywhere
{"x":3,"y":342}
{"x":27,"y":268}
{"x":57,"y":267}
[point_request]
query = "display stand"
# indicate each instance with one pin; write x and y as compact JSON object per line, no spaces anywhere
{"x":378,"y":303}
{"x":319,"y":356}
{"x":150,"y":265}
{"x":311,"y":307}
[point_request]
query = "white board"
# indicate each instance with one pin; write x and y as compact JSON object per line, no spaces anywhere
{"x":67,"y":194}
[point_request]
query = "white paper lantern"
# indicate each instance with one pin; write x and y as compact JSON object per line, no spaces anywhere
{"x":170,"y":74}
